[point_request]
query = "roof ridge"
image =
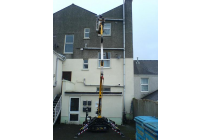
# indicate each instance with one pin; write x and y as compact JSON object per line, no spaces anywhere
{"x":112,"y":9}
{"x":77,"y":6}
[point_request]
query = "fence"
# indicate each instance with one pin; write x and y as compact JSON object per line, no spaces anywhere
{"x":145,"y":107}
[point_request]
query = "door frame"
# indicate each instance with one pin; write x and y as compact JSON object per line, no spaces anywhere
{"x":74,"y":112}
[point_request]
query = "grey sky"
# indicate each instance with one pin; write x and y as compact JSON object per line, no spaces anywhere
{"x":145,"y":22}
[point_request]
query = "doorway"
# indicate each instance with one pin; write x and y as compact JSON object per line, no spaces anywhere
{"x":74,"y":110}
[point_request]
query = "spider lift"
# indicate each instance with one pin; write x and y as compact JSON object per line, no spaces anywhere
{"x":99,"y":123}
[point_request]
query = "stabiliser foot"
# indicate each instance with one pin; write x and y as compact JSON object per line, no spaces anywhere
{"x":100,"y":121}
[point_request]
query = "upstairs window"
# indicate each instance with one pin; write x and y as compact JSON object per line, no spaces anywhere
{"x":69,"y":42}
{"x":144,"y":85}
{"x":87,"y":33}
{"x":107,"y":29}
{"x":85,"y":63}
{"x":106,"y":59}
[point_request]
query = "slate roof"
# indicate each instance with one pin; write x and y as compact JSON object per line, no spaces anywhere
{"x":146,"y":67}
{"x":76,"y":6}
{"x":152,"y":96}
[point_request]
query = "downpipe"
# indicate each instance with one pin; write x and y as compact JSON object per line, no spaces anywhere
{"x":124,"y":114}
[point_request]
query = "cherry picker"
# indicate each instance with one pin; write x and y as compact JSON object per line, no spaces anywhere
{"x":99,"y":123}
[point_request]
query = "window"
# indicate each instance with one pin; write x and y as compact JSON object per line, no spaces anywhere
{"x":107,"y":29}
{"x":69,"y":42}
{"x":104,"y":89}
{"x":106,"y":59}
{"x":87,"y":33}
{"x":144,"y":85}
{"x":85,"y":64}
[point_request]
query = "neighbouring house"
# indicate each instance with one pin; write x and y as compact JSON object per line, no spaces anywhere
{"x":58,"y":60}
{"x":74,"y":33}
{"x":151,"y":96}
{"x":145,"y":79}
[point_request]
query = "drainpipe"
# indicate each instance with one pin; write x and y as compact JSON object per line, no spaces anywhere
{"x":124,"y":58}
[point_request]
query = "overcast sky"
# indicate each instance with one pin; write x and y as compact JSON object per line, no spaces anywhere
{"x":145,"y":22}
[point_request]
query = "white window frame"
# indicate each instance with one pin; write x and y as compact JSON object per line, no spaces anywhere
{"x":68,"y":43}
{"x":107,"y":28}
{"x":145,"y":84}
{"x":97,"y":89}
{"x":85,"y":64}
{"x":104,"y":60}
{"x":86,"y":32}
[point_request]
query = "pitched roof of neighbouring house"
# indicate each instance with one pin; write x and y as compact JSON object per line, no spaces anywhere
{"x":152,"y":96}
{"x":76,"y":6}
{"x":146,"y":67}
{"x":60,"y":56}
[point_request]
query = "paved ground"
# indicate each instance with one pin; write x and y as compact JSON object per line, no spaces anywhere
{"x":67,"y":132}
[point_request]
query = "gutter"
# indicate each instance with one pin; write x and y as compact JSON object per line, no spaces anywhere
{"x":94,"y":48}
{"x":109,"y":19}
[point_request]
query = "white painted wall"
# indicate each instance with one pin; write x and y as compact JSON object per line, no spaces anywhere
{"x":112,"y":76}
{"x":112,"y":106}
{"x":57,"y":89}
{"x":129,"y":84}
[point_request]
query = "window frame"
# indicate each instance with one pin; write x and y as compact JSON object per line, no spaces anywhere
{"x":86,"y":32}
{"x":68,"y":43}
{"x":85,"y":64}
{"x":104,"y":60}
{"x":110,"y":30}
{"x":145,"y":84}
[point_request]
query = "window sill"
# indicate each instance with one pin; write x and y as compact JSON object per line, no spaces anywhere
{"x":104,"y":35}
{"x":86,"y":38}
{"x":104,"y":67}
{"x":144,"y":91}
{"x":85,"y":69}
{"x":68,"y":53}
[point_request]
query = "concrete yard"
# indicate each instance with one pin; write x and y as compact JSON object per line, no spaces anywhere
{"x":67,"y":132}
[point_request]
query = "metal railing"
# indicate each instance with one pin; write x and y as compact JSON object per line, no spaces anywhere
{"x":57,"y":110}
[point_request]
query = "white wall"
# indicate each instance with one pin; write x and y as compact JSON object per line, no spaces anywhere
{"x":112,"y":76}
{"x":57,"y":89}
{"x":129,"y":83}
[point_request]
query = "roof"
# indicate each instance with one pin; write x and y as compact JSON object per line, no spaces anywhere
{"x":61,"y":57}
{"x":76,"y":6}
{"x":146,"y":67}
{"x":112,"y":9}
{"x":152,"y":96}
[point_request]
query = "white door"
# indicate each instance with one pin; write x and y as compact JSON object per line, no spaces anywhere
{"x":74,"y":110}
